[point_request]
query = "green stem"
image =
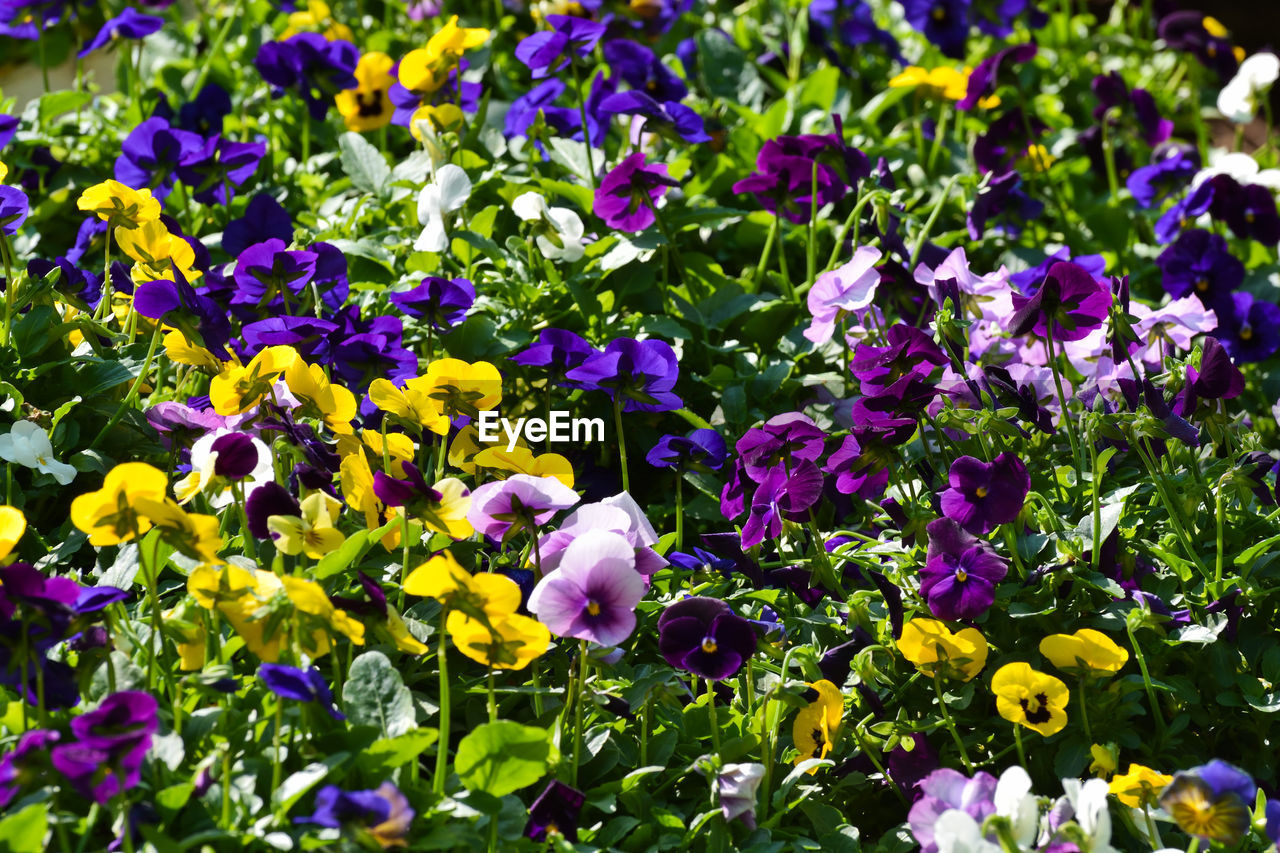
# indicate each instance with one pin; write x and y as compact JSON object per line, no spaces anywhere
{"x":680,"y":508}
{"x":215,"y":49}
{"x":442,"y":745}
{"x":132,"y":395}
{"x":1146,"y":678}
{"x":586,"y":134}
{"x":1084,"y":709}
{"x":811,"y":250}
{"x":622,"y":444}
{"x":929,"y":223}
{"x":1062,"y":398}
{"x":764,"y":255}
{"x":577,"y":711}
{"x":1220,"y":517}
{"x":275,"y":745}
{"x":1017,"y":739}
{"x":712,"y":716}
{"x":951,"y":726}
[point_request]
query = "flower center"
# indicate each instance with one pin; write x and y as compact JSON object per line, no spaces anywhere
{"x":1202,"y":284}
{"x":1249,"y":217}
{"x":981,"y":491}
{"x":961,"y":575}
{"x":593,"y":608}
{"x":1246,"y":332}
{"x":709,"y":645}
{"x":939,"y":13}
{"x":1040,"y":714}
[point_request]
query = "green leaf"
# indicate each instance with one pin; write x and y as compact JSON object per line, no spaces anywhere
{"x":297,"y":784}
{"x":503,"y":757}
{"x":363,"y":163}
{"x":390,"y":753}
{"x":346,"y":555}
{"x":24,"y":832}
{"x":175,"y":796}
{"x":56,"y":103}
{"x":375,"y":695}
{"x":722,"y":63}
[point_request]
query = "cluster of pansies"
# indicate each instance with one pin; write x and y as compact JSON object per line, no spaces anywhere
{"x":638,"y":425}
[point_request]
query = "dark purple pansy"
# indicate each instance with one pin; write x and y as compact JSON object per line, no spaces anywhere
{"x":129,"y":24}
{"x":222,"y":166}
{"x":639,"y":374}
{"x":301,"y":685}
{"x":21,"y":765}
{"x":1005,"y":140}
{"x":1184,"y":212}
{"x":152,"y":152}
{"x":780,"y":441}
{"x":1002,"y":200}
{"x":382,"y":813}
{"x":556,"y":810}
{"x":626,"y":196}
{"x":311,"y":65}
{"x":703,"y":636}
{"x":1070,"y":298}
{"x":266,"y":270}
{"x":442,"y":302}
{"x":1172,"y":167}
{"x":1249,"y":328}
{"x":176,"y":302}
{"x":14,"y":207}
{"x":110,"y":745}
{"x":781,"y":494}
{"x":549,"y":51}
{"x":1216,"y":378}
{"x":558,"y":350}
{"x":264,"y":219}
{"x":701,"y":450}
{"x":960,"y":572}
{"x":984,"y":495}
{"x":670,"y":119}
{"x":1200,"y":262}
{"x":943,"y":22}
{"x":986,"y":76}
{"x":641,"y":69}
{"x":265,"y":501}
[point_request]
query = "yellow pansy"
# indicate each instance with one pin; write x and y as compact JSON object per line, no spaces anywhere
{"x":940,"y":82}
{"x":111,"y":515}
{"x":411,"y":405}
{"x":935,"y":651}
{"x":509,"y":643}
{"x":1037,"y":157}
{"x":427,"y":68}
{"x":1030,"y":698}
{"x":238,"y":388}
{"x":189,"y":634}
{"x":1139,"y":786}
{"x":448,"y":515}
{"x":399,"y":449}
{"x":182,"y":351}
{"x":485,"y":596}
{"x":12,"y":525}
{"x":119,"y":205}
{"x":317,"y":17}
{"x":193,"y":535}
{"x":442,"y":117}
{"x":156,"y":252}
{"x":313,"y":533}
{"x":356,"y":478}
{"x":1086,"y":652}
{"x":320,"y":398}
{"x":815,"y":726}
{"x":4,"y":172}
{"x":456,"y":387}
{"x":1105,"y":759}
{"x":309,"y":597}
{"x":521,"y":460}
{"x":368,"y":106}
{"x":213,"y":586}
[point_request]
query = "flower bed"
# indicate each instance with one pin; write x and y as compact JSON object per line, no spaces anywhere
{"x":592,"y":426}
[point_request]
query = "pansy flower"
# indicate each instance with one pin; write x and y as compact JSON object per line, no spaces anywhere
{"x":12,"y":525}
{"x":700,"y":450}
{"x":1086,"y":652}
{"x":119,"y":205}
{"x":1250,"y":328}
{"x":549,"y":51}
{"x":27,"y":444}
{"x":637,"y":374}
{"x":315,"y":67}
{"x":960,"y":574}
{"x":503,"y":508}
{"x":312,"y":530}
{"x":984,"y":495}
{"x":593,"y":592}
{"x":704,"y":637}
{"x":110,"y":514}
{"x":367,"y":106}
{"x":109,"y":745}
{"x":442,"y":302}
{"x":627,"y":196}
{"x":943,"y":22}
{"x":1139,"y":786}
{"x":1029,"y":698}
{"x":129,"y":24}
{"x":555,"y":812}
{"x":382,"y":815}
{"x":1211,"y":802}
{"x":814,"y":730}
{"x":937,"y":652}
{"x":1069,"y":298}
{"x":301,"y":685}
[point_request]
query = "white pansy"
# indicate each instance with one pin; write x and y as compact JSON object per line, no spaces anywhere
{"x":559,"y":230}
{"x":1089,"y":805}
{"x":447,"y":193}
{"x":1239,"y":99}
{"x":1014,"y":800}
{"x":27,"y":444}
{"x":956,"y":832}
{"x":204,"y":478}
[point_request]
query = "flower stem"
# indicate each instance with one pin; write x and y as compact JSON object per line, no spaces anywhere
{"x":713,"y":717}
{"x":586,"y":133}
{"x":1146,"y":678}
{"x":764,"y":255}
{"x":442,"y":745}
{"x":132,"y":395}
{"x":680,"y":511}
{"x":1062,"y":398}
{"x":622,"y":444}
{"x":1017,"y":740}
{"x":577,"y":711}
{"x":1084,"y":709}
{"x":951,"y":726}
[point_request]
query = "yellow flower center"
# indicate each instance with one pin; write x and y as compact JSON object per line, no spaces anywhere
{"x":709,"y":645}
{"x":962,"y":575}
{"x":939,"y":13}
{"x":593,"y":607}
{"x":1249,"y":217}
{"x":981,"y":491}
{"x":1246,"y":333}
{"x":1202,"y":284}
{"x":1214,"y":27}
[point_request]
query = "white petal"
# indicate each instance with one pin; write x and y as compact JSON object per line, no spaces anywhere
{"x":432,"y":238}
{"x":455,"y":187}
{"x":61,"y":471}
{"x":429,"y":206}
{"x":529,"y":206}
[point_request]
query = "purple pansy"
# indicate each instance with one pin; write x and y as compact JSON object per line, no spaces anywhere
{"x":960,"y":573}
{"x":549,"y":51}
{"x":638,"y":374}
{"x":310,"y":64}
{"x":1070,"y":298}
{"x":383,"y":813}
{"x":984,"y":495}
{"x":1249,"y":328}
{"x":129,"y":24}
{"x":1200,"y":262}
{"x":264,"y":219}
{"x":301,"y":685}
{"x":110,"y":745}
{"x":700,"y":450}
{"x":593,"y":593}
{"x":556,"y":809}
{"x":442,"y":302}
{"x":703,"y":636}
{"x":986,"y":76}
{"x":503,"y":508}
{"x":946,"y":789}
{"x":14,"y":208}
{"x":626,"y":196}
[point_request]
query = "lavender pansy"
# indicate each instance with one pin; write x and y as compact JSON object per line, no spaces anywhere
{"x":593,"y":593}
